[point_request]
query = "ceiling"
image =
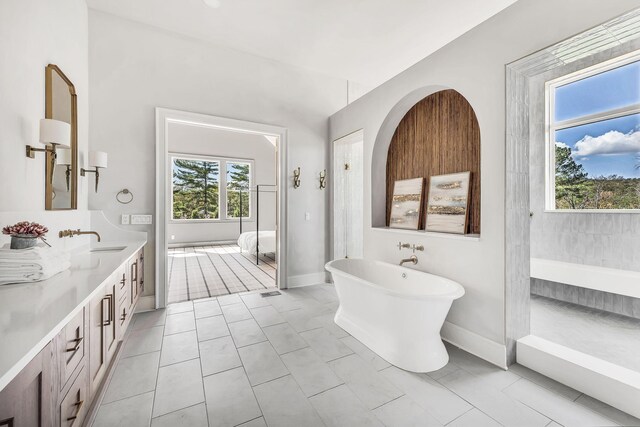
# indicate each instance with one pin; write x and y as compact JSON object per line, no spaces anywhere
{"x":364,"y":41}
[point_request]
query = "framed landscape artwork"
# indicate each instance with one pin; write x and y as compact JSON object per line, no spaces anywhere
{"x":448,"y":203}
{"x":406,"y":206}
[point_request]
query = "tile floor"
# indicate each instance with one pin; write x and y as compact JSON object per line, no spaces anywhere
{"x":587,"y":330}
{"x":210,"y":271}
{"x":244,"y":360}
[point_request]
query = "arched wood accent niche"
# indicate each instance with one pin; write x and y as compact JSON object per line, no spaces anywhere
{"x":437,"y":136}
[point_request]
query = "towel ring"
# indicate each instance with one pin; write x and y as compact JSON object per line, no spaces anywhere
{"x":124,"y":192}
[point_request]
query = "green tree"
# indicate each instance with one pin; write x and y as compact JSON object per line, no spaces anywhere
{"x":238,"y":181}
{"x":572,"y":187}
{"x":195,"y":189}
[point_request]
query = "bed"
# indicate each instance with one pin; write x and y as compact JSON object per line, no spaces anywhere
{"x":266,"y":241}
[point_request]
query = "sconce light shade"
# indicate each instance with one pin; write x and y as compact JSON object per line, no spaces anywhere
{"x":63,"y":157}
{"x":97,"y":159}
{"x":55,"y":132}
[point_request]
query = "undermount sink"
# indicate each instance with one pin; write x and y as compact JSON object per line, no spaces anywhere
{"x":108,"y":249}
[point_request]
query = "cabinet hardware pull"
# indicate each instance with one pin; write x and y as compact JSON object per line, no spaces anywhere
{"x":109,"y":298}
{"x":78,"y":341}
{"x":78,"y":407}
{"x":124,"y":280}
{"x":134,"y":268}
{"x":124,"y":314}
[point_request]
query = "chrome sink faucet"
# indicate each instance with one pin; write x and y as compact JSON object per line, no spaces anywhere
{"x":412,"y":259}
{"x":71,"y":233}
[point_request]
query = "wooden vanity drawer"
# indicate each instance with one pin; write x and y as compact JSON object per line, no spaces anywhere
{"x":123,"y":315}
{"x":71,"y":347}
{"x":121,"y":278}
{"x":74,"y":406}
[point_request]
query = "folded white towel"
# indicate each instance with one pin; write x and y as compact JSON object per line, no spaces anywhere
{"x":35,"y":253}
{"x":33,"y":264}
{"x":33,"y":276}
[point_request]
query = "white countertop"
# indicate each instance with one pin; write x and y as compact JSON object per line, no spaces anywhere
{"x":32,"y":314}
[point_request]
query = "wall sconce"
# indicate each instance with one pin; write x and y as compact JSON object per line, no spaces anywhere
{"x":97,"y":160}
{"x":53,"y":133}
{"x":323,"y":179}
{"x":296,"y":178}
{"x":63,"y":158}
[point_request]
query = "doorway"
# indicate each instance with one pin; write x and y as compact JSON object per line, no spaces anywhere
{"x":220,"y":202}
{"x":348,"y":186}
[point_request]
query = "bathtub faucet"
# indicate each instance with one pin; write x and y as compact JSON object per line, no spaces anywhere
{"x":412,"y":259}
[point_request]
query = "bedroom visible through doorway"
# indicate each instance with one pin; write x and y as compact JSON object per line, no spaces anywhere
{"x":221,"y":218}
{"x":218,"y":269}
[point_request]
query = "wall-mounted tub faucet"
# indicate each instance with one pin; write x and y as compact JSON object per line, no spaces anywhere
{"x":403,"y":245}
{"x":415,"y":248}
{"x":412,"y":259}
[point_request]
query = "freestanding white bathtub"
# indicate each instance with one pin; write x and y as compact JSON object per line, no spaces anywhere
{"x":395,"y":311}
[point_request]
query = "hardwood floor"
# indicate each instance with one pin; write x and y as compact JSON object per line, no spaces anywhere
{"x":215,"y":270}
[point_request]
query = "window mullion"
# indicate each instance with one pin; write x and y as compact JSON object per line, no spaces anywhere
{"x":594,"y":118}
{"x":222,"y":192}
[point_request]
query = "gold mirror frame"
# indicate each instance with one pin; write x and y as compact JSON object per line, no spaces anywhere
{"x":73,"y":184}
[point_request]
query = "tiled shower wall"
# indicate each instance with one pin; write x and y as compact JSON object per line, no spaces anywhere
{"x":599,"y":239}
{"x":613,"y":303}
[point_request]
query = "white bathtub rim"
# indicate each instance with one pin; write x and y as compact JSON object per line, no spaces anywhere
{"x":454,"y":295}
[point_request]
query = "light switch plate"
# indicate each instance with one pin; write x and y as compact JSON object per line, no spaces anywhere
{"x":307,"y":216}
{"x":141,"y":219}
{"x":124,"y":219}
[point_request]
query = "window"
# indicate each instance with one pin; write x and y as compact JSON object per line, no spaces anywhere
{"x":195,"y":189}
{"x":593,"y":124}
{"x":238,"y":181}
{"x":210,"y":188}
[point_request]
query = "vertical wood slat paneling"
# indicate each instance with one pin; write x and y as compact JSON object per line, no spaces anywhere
{"x":437,"y":136}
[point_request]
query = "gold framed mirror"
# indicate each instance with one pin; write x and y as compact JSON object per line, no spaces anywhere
{"x":61,"y":172}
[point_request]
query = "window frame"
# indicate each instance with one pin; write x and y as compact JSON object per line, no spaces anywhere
{"x":222,"y":187}
{"x":551,"y":126}
{"x":226,"y":189}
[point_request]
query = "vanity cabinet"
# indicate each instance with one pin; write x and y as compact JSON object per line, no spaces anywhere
{"x":141,"y":271}
{"x":98,"y":310}
{"x":74,"y":405}
{"x":123,"y":305}
{"x":71,"y":347}
{"x":60,"y":384}
{"x":133,"y":274}
{"x":111,"y":323}
{"x":111,"y":312}
{"x":28,"y":400}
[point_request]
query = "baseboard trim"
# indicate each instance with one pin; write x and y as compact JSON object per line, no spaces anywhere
{"x":306,"y":280}
{"x":475,"y":344}
{"x":146,"y":303}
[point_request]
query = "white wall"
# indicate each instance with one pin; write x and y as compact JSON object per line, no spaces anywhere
{"x":34,"y":33}
{"x":207,"y":141}
{"x":474,"y":65}
{"x":135,"y":68}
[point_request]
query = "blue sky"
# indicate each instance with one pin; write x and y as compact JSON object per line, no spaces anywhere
{"x":607,"y":147}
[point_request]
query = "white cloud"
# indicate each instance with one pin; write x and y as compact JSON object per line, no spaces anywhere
{"x":612,"y":142}
{"x":561,"y":144}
